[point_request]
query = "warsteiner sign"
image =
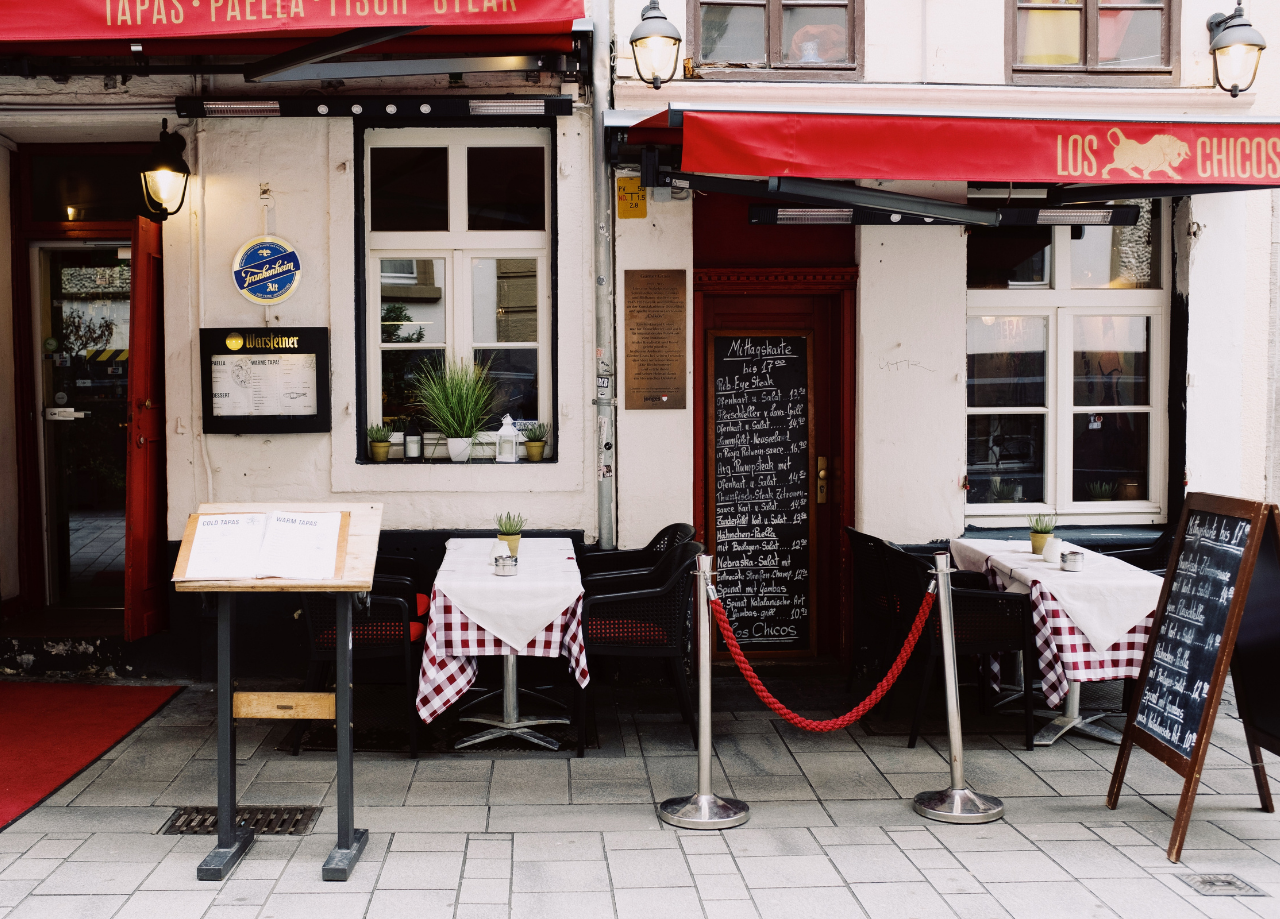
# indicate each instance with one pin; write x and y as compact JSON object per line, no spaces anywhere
{"x":831,"y":146}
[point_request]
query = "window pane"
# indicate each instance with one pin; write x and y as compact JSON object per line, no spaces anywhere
{"x":733,"y":34}
{"x":1006,"y":459}
{"x":814,"y":35}
{"x":1129,"y":38}
{"x":1003,"y":257}
{"x":413,"y":300}
{"x":398,"y":371}
{"x":515,"y":370}
{"x":409,"y":189}
{"x":1126,"y":257}
{"x":1112,"y":360}
{"x":506,"y":188}
{"x":1006,"y":360}
{"x":504,"y":299}
{"x":1110,"y":456}
{"x":1050,"y":38}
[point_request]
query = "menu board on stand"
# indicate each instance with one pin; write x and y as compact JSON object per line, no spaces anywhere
{"x":762,"y":486}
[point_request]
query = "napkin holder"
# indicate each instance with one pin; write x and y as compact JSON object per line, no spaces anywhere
{"x":505,"y":566}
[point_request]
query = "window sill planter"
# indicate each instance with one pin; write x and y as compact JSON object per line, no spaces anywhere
{"x":459,"y":449}
{"x":533,"y":450}
{"x":378,"y":450}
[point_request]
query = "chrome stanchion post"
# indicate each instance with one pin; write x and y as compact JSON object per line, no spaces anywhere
{"x":956,"y":804}
{"x":704,"y":810}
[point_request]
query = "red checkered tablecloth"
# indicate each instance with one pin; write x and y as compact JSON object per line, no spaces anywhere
{"x":454,"y":641}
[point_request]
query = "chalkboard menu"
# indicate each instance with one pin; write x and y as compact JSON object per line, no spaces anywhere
{"x":762,"y":525}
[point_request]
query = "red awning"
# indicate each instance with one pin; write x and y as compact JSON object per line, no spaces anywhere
{"x":140,"y":20}
{"x":825,"y":145}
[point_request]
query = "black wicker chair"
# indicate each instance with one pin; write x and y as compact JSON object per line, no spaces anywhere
{"x":388,"y":627}
{"x":621,"y":562}
{"x":643,"y":615}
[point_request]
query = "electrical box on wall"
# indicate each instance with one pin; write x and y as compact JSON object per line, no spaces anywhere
{"x":265,"y":380}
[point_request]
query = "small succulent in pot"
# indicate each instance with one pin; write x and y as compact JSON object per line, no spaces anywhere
{"x":509,"y":527}
{"x":1003,"y":492}
{"x":535,"y":440}
{"x":1041,"y":529}
{"x":1101,"y":491}
{"x":379,"y":441}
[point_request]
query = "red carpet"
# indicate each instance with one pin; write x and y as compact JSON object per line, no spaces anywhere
{"x":50,"y":731}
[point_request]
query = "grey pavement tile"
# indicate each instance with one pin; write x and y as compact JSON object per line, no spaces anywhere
{"x":170,"y":904}
{"x":1214,"y":808}
{"x":8,"y":858}
{"x":1065,"y":831}
{"x":910,"y":784}
{"x":235,"y":892}
{"x":560,"y":877}
{"x":490,"y":868}
{"x":67,"y":793}
{"x":1083,"y":809}
{"x":1251,"y":865}
{"x":606,"y":770}
{"x":558,"y":847}
{"x":902,"y":901}
{"x":1053,"y":759}
{"x":722,"y":887}
{"x":849,"y":835}
{"x":1240,"y":829}
{"x":1090,"y":859}
{"x":18,"y":842}
{"x":453,"y":770}
{"x":302,"y":793}
{"x":1116,"y":835}
{"x":412,"y":904}
{"x":705,"y":844}
{"x":919,"y":838}
{"x":418,"y":819}
{"x":812,"y":903}
{"x":541,"y":781}
{"x":71,"y":907}
{"x":110,"y":792}
{"x":259,"y":869}
{"x":622,"y":791}
{"x":775,"y":814}
{"x":643,"y":839}
{"x":447,"y":793}
{"x":673,"y":776}
{"x":1009,"y":866}
{"x":788,"y":871}
{"x":891,"y":754}
{"x":934,"y":860}
{"x":755,"y":754}
{"x":712,"y":864}
{"x":488,"y":848}
{"x":665,"y":740}
{"x":12,"y":892}
{"x":875,"y":813}
{"x":599,"y":817}
{"x":271,"y":848}
{"x":953,"y":881}
{"x":999,"y":772}
{"x":249,"y":736}
{"x":334,"y":905}
{"x":648,"y":902}
{"x":802,"y":741}
{"x":648,"y":868}
{"x":429,"y":842}
{"x":30,"y":869}
{"x":759,"y":726}
{"x":132,"y":847}
{"x":1053,"y":900}
{"x":157,"y":755}
{"x":299,"y":769}
{"x":732,"y":909}
{"x":751,"y":841}
{"x":176,"y":872}
{"x":95,"y":878}
{"x":1268,"y":847}
{"x":561,"y":906}
{"x":420,"y":871}
{"x":1151,"y":857}
{"x":1082,"y":782}
{"x":484,"y":890}
{"x":873,"y":864}
{"x":53,"y":848}
{"x":1145,"y":774}
{"x":850,"y":776}
{"x":988,"y":837}
{"x":1142,"y":899}
{"x":975,"y":906}
{"x":1229,"y":781}
{"x":1200,"y":835}
{"x":772,"y":788}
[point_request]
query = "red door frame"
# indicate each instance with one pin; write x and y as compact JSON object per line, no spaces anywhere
{"x":796,"y":282}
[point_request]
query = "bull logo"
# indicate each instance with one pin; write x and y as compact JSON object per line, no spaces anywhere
{"x":1160,"y":154}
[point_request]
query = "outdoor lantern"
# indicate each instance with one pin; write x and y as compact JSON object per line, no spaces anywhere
{"x":655,"y":46}
{"x":508,"y":442}
{"x":165,"y":174}
{"x":1236,"y":47}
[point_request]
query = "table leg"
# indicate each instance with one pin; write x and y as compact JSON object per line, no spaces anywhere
{"x":511,"y":724}
{"x":1072,"y":719}
{"x":351,"y":842}
{"x":233,"y":840}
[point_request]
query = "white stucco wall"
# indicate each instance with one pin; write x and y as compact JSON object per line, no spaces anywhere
{"x":934,"y":41}
{"x":8,"y":415}
{"x":654,"y":446}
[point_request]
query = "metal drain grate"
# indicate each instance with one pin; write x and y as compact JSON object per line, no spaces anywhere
{"x":1221,"y":885}
{"x":265,"y":821}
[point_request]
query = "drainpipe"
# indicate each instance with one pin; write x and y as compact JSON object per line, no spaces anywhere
{"x":605,"y":401}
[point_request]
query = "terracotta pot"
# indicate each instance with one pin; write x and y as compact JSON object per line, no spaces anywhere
{"x":378,"y":450}
{"x":459,"y":449}
{"x":513,"y":543}
{"x":534,"y":449}
{"x":1037,"y":542}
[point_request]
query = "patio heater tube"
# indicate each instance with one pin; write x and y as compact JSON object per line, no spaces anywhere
{"x":956,"y":804}
{"x":704,"y":811}
{"x":605,"y":401}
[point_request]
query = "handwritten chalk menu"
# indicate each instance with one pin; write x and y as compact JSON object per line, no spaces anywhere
{"x":1190,"y":634}
{"x":265,"y":380}
{"x":763,"y":533}
{"x":1194,"y":632}
{"x":655,"y":311}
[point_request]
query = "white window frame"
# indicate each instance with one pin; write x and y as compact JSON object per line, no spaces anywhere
{"x":458,"y":246}
{"x":1059,"y":303}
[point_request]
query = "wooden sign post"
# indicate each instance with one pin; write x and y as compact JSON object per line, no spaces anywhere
{"x":1193,"y":634}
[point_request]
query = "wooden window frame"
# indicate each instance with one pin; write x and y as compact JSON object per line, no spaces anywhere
{"x":1090,"y":73}
{"x":773,"y":68}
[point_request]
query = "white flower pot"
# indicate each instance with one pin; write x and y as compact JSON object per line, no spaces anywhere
{"x":459,"y":449}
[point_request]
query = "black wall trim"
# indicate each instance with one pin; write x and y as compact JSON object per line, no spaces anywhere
{"x":1179,"y":323}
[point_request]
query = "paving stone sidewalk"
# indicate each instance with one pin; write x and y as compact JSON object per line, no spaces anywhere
{"x":832,"y":832}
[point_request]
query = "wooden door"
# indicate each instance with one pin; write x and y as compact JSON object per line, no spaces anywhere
{"x":146,"y":582}
{"x":805,"y":309}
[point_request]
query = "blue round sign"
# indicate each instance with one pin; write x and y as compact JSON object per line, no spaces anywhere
{"x":266,"y":269}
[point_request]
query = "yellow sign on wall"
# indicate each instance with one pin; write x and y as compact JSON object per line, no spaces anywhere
{"x":631,"y":198}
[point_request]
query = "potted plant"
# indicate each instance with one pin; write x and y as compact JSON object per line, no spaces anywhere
{"x":509,"y":527}
{"x":1003,"y":492}
{"x":1041,"y":529}
{"x":379,"y":442}
{"x":457,"y":400}
{"x":1101,"y":491}
{"x":535,"y":441}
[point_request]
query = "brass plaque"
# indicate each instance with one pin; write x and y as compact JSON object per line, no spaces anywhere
{"x":655,"y":339}
{"x":632,"y":199}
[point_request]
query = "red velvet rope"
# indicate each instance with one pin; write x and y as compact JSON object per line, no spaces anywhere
{"x":834,"y":724}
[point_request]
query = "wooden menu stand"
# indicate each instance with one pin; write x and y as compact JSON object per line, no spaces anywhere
{"x":353,"y":575}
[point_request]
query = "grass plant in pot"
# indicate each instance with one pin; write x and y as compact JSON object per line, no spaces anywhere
{"x":535,"y":441}
{"x":1041,"y":529}
{"x":509,"y":527}
{"x":457,"y":400}
{"x":379,"y":442}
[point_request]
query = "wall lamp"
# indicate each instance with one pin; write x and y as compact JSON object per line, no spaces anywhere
{"x":165,"y":174}
{"x":1236,"y":47}
{"x":655,"y":46}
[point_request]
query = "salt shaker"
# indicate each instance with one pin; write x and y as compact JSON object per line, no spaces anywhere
{"x":1072,"y":561}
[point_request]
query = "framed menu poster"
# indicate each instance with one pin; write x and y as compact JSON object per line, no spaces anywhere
{"x":265,"y":380}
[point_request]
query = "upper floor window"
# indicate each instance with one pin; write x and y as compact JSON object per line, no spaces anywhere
{"x":1099,"y":38}
{"x":775,"y":34}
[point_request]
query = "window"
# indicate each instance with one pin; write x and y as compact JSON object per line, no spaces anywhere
{"x":458,"y":266}
{"x":775,"y":34}
{"x":1067,"y":359}
{"x":1102,"y":38}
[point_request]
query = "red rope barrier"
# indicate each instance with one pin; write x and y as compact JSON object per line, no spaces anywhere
{"x":834,"y":724}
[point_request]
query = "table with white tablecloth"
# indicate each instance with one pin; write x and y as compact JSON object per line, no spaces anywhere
{"x":1090,"y":625}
